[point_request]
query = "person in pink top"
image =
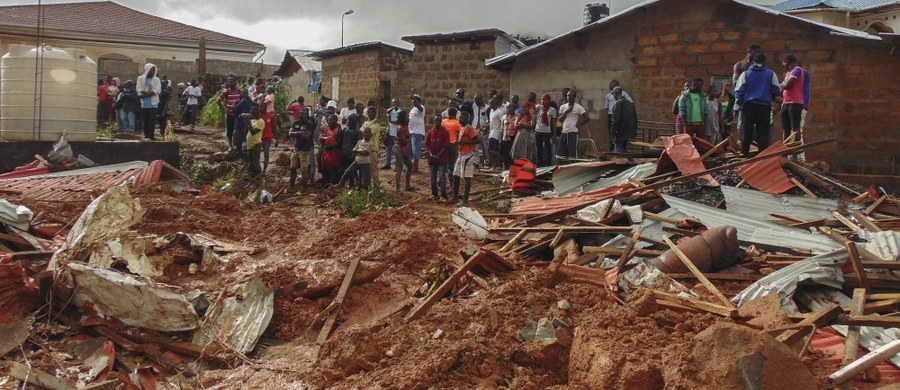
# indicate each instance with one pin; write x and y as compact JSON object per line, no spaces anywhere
{"x":792,"y":93}
{"x":267,"y":135}
{"x":295,"y":107}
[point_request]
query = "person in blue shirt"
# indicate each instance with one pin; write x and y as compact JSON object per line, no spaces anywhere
{"x":754,"y":92}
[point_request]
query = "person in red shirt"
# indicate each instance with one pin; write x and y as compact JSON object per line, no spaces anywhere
{"x":438,"y":144}
{"x":230,"y":95}
{"x":295,"y":107}
{"x":330,"y":139}
{"x":267,"y":135}
{"x":102,"y":97}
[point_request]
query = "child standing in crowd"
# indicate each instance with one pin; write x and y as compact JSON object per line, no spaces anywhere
{"x":350,"y":137}
{"x":254,"y":140}
{"x":713,"y":125}
{"x":129,"y":103}
{"x":362,"y":163}
{"x":692,"y":109}
{"x":330,"y":139}
{"x":437,"y":141}
{"x":268,"y":134}
{"x":726,"y":99}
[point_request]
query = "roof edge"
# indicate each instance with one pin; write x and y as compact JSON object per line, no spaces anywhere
{"x":358,"y":47}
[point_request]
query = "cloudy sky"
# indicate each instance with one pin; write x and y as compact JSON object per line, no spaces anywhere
{"x":302,"y":24}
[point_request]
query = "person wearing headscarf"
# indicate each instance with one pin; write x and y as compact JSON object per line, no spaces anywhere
{"x":524,"y":145}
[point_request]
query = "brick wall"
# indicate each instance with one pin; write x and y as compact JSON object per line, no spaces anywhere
{"x":437,"y":70}
{"x":854,"y":94}
{"x":361,"y":74}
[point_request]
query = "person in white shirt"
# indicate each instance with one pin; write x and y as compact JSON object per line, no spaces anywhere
{"x":495,"y":132}
{"x":346,"y":111}
{"x":417,"y":129}
{"x":193,"y":93}
{"x":481,"y":122}
{"x":611,"y":101}
{"x":572,"y":115}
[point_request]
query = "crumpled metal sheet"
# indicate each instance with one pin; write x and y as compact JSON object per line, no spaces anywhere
{"x":767,"y":175}
{"x":680,"y":148}
{"x":870,"y":337}
{"x":568,"y":179}
{"x":594,"y":212}
{"x":885,"y":245}
{"x":14,"y":215}
{"x":239,"y":322}
{"x":134,"y":302}
{"x":754,"y":229}
{"x":472,"y":223}
{"x":103,"y":220}
{"x":637,"y":172}
{"x":647,"y":276}
{"x":18,"y":296}
{"x":822,"y":269}
{"x":759,"y":204}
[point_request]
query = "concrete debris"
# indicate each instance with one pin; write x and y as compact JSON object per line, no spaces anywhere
{"x":472,"y":223}
{"x":115,"y":295}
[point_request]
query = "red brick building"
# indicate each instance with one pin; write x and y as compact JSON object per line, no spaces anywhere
{"x":441,"y":63}
{"x":365,"y":71}
{"x":653,"y":47}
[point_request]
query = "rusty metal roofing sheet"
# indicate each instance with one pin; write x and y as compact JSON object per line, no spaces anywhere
{"x":759,"y":204}
{"x":84,"y":183}
{"x":680,"y":148}
{"x":754,"y":229}
{"x":767,"y":175}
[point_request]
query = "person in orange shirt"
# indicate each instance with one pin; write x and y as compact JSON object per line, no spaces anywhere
{"x":452,"y":125}
{"x":465,"y":163}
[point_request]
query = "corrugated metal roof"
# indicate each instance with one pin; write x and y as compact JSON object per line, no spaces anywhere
{"x":356,"y":48}
{"x":306,"y":62}
{"x":570,"y":178}
{"x":823,"y":269}
{"x":838,"y":5}
{"x":767,"y":175}
{"x":759,"y":204}
{"x":84,"y":183}
{"x":498,"y":60}
{"x":754,"y":229}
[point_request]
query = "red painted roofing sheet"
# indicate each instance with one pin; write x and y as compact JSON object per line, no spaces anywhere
{"x":831,"y":344}
{"x":537,"y":205}
{"x":767,"y":175}
{"x":680,"y":148}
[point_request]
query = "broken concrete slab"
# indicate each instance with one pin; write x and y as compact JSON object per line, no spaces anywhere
{"x":239,"y":321}
{"x":112,"y":294}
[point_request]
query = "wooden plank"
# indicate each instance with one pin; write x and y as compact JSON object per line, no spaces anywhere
{"x":568,"y":229}
{"x":696,"y":303}
{"x":846,"y":222}
{"x":788,"y":218}
{"x":880,"y":297}
{"x":339,"y":301}
{"x":606,"y":208}
{"x":874,"y":206}
{"x":864,"y":220}
{"x":605,"y":250}
{"x":629,"y":249}
{"x":557,"y":238}
{"x":877,"y":306}
{"x":14,"y":239}
{"x":858,"y":267}
{"x":445,"y":287}
{"x":561,"y":213}
{"x":819,"y":319}
{"x":871,"y":359}
{"x":660,"y":218}
{"x":851,"y":345}
{"x":690,"y":265}
{"x":38,"y":378}
{"x":843,"y":241}
{"x":713,"y":150}
{"x":803,"y":188}
{"x":513,"y":241}
{"x":873,"y":320}
{"x":716,"y":276}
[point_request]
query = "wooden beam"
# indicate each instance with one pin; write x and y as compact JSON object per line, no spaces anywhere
{"x":803,"y":188}
{"x":513,"y":241}
{"x":818,"y":319}
{"x":339,"y":301}
{"x":848,"y":223}
{"x":696,"y":304}
{"x":619,"y":251}
{"x":662,"y":183}
{"x":788,"y":218}
{"x":873,"y":320}
{"x":871,"y":359}
{"x":852,"y":342}
{"x":881,"y":297}
{"x":445,"y":287}
{"x":557,"y":238}
{"x":693,"y":268}
{"x":38,"y":377}
{"x":877,"y":306}
{"x":568,"y":229}
{"x":874,"y":206}
{"x":853,"y":254}
{"x":717,"y":276}
{"x":864,"y":220}
{"x":713,"y":150}
{"x":629,"y":249}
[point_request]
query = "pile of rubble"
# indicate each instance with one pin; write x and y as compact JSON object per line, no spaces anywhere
{"x":694,"y":270}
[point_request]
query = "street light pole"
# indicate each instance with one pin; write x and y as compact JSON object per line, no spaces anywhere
{"x":347,"y":12}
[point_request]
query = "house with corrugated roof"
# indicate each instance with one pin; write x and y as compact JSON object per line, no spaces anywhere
{"x":121,"y":39}
{"x":871,"y":16}
{"x":302,"y":73}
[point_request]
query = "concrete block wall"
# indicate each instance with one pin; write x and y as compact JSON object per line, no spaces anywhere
{"x":361,"y":73}
{"x":436,"y":71}
{"x":854,"y":94}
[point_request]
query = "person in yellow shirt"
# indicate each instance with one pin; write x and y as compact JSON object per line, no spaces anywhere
{"x":378,"y":134}
{"x":254,"y":140}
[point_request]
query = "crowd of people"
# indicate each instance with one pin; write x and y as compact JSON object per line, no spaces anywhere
{"x":133,"y":105}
